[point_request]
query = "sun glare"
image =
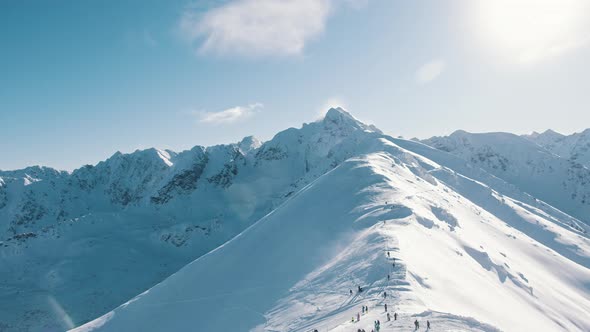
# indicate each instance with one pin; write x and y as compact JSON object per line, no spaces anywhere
{"x":532,"y":30}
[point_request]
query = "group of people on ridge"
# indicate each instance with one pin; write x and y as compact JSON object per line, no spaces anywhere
{"x":377,"y":323}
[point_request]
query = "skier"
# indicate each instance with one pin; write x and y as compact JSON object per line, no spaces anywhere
{"x":388,"y":317}
{"x":388,"y":254}
{"x":416,"y":324}
{"x":360,"y":289}
{"x":428,"y":325}
{"x":384,"y":294}
{"x":363,"y":309}
{"x":386,"y":307}
{"x":388,"y":277}
{"x":395,"y":316}
{"x":350,"y":291}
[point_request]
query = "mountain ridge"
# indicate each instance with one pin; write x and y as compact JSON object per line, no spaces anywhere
{"x":149,"y":213}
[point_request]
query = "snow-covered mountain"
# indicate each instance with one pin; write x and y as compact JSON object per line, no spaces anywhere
{"x":561,"y":182}
{"x":106,"y":232}
{"x":317,"y":209}
{"x":575,"y":147}
{"x":395,"y":219}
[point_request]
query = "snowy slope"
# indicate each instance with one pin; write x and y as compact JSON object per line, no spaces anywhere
{"x":145,"y":214}
{"x":75,"y":246}
{"x":457,"y":265}
{"x":575,"y":147}
{"x":561,"y":182}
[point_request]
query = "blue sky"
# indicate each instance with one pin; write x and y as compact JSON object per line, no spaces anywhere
{"x":80,"y":80}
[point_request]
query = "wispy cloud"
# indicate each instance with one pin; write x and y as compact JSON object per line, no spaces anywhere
{"x":230,"y":115}
{"x":258,"y":27}
{"x":430,"y":71}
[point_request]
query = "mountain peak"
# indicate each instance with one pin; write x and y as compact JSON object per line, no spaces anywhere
{"x":340,"y":117}
{"x":249,"y":143}
{"x":338,"y":112}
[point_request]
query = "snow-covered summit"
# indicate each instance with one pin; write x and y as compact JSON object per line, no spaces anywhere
{"x":389,"y":222}
{"x":338,"y":118}
{"x":177,"y":204}
{"x":305,"y":212}
{"x":249,"y":143}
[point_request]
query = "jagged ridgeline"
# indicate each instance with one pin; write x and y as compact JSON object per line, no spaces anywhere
{"x":476,"y":232}
{"x":151,"y":208}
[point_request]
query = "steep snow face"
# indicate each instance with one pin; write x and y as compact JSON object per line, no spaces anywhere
{"x":575,"y":147}
{"x":146,"y":214}
{"x":388,"y":213}
{"x":563,"y":183}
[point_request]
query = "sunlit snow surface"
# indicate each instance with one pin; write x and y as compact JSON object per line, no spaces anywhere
{"x":457,"y":265}
{"x":318,"y":208}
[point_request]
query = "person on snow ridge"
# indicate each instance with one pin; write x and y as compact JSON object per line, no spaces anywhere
{"x":428,"y":324}
{"x":350,"y":291}
{"x":363,"y":309}
{"x":395,"y":316}
{"x":388,"y":277}
{"x":388,"y":317}
{"x":360,"y":289}
{"x":416,"y":324}
{"x":384,"y":294}
{"x":385,"y":307}
{"x":388,"y":254}
{"x":358,"y":317}
{"x":367,"y":309}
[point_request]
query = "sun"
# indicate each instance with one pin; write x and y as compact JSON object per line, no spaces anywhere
{"x":531,"y":30}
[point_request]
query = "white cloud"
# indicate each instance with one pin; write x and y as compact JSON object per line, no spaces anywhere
{"x":230,"y":115}
{"x":430,"y":71}
{"x":259,"y":27}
